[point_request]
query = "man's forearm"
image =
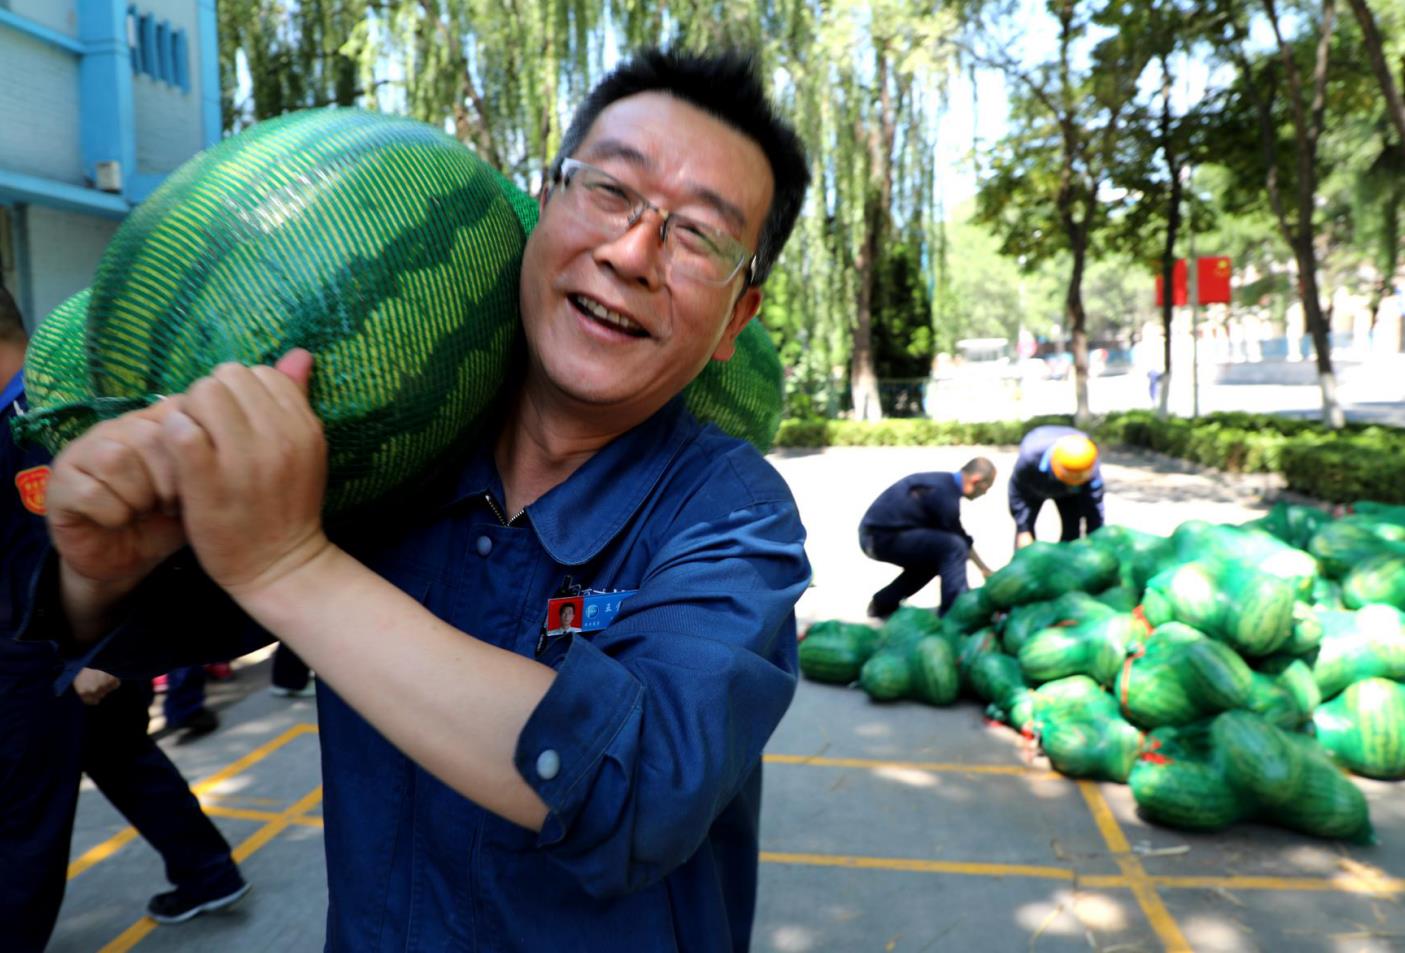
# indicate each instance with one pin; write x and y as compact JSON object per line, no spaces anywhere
{"x":453,"y":703}
{"x":89,"y":604}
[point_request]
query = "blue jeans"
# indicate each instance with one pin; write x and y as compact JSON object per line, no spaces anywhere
{"x":923,"y":554}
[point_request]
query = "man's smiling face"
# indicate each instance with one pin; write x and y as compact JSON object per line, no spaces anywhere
{"x":608,"y":326}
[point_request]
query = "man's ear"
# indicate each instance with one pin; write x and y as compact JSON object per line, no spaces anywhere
{"x":743,"y":311}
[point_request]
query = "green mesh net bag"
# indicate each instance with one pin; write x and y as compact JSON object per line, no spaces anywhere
{"x":1344,"y":544}
{"x":1234,"y":546}
{"x":1207,"y":775}
{"x":924,"y":670}
{"x":1292,"y":523}
{"x":1178,"y":676}
{"x":1363,"y":728}
{"x":1250,"y":610}
{"x":1042,"y":571}
{"x":1081,"y":731}
{"x":378,"y":243}
{"x":996,"y":678}
{"x":834,"y":651}
{"x":1367,"y":643}
{"x":1094,"y":647}
{"x":1071,"y":608}
{"x":970,"y":611}
{"x":1377,"y":579}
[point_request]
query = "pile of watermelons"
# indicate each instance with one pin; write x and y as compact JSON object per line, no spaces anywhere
{"x":1225,"y":672}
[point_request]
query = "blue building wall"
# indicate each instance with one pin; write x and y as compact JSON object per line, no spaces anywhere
{"x":99,"y":101}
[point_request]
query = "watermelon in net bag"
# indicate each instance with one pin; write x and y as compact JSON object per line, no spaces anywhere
{"x":380,"y":244}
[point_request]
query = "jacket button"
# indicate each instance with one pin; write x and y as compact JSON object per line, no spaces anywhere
{"x":485,"y":545}
{"x":548,"y":764}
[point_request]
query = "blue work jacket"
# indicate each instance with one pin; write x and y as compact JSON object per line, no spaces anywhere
{"x":647,"y":747}
{"x":922,"y":500}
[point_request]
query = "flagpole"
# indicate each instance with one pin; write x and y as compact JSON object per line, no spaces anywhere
{"x":1192,"y":267}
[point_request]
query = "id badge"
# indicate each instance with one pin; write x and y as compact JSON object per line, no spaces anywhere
{"x":584,"y":611}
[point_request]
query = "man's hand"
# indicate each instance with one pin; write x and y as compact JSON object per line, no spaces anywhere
{"x":112,"y":499}
{"x":93,"y":686}
{"x":251,"y":468}
{"x":1023,"y":539}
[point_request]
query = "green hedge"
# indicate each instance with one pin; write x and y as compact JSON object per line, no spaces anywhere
{"x":1359,"y":462}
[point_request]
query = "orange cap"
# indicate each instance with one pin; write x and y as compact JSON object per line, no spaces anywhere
{"x":1073,"y":459}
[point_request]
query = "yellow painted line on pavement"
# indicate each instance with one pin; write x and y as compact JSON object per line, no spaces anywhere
{"x":116,"y":842}
{"x":138,"y":931}
{"x":935,"y":766}
{"x":1141,"y":885}
{"x":248,"y":814}
{"x":926,"y":866}
{"x":1385,"y":888}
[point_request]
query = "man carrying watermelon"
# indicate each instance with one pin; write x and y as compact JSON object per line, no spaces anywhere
{"x":1059,"y":464}
{"x":488,"y":788}
{"x":916,"y":524}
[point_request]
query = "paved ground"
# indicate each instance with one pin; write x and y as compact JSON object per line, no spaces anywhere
{"x":885,"y":828}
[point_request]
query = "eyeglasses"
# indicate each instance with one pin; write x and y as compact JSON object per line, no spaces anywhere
{"x":694,"y":250}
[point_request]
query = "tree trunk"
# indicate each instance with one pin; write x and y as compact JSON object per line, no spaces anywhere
{"x":863,"y":377}
{"x":1078,"y":331}
{"x":1317,"y":326}
{"x":1371,"y":36}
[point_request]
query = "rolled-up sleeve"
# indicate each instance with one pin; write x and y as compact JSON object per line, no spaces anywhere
{"x":652,"y":726}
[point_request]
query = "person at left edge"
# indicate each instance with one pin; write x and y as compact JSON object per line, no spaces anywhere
{"x":605,"y":794}
{"x":916,"y":524}
{"x":98,"y":727}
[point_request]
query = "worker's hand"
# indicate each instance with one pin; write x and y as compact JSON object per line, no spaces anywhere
{"x":985,"y":571}
{"x":93,"y":686}
{"x":112,"y":505}
{"x":251,"y":469}
{"x":1022,"y":540}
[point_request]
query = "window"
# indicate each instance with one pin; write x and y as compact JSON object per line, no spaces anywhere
{"x":163,"y":51}
{"x":180,"y":60}
{"x":134,"y":38}
{"x":148,"y":43}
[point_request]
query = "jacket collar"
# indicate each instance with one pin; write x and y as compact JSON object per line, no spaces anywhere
{"x":576,"y":519}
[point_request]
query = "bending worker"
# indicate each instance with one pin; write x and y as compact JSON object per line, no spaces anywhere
{"x":1059,"y":464}
{"x":916,"y":524}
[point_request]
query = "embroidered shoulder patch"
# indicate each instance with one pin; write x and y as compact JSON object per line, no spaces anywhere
{"x":33,"y":486}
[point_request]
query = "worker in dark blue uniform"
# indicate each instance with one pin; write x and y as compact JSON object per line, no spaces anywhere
{"x":916,"y":524}
{"x":98,"y":726}
{"x":1059,"y":464}
{"x":490,"y":786}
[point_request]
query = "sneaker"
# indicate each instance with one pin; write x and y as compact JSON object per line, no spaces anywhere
{"x":179,"y":905}
{"x":198,"y":725}
{"x":282,"y":691}
{"x":158,"y":684}
{"x":875,"y":611}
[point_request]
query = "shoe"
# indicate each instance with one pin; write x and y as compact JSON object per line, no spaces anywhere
{"x":180,"y":905}
{"x":219,"y":671}
{"x":198,"y":725}
{"x":307,"y":691}
{"x":875,"y":611}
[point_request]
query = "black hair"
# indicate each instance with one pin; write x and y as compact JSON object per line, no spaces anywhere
{"x":980,"y":468}
{"x":726,"y":85}
{"x":11,"y":324}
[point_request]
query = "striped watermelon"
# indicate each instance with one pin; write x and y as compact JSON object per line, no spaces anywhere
{"x":1364,"y":728}
{"x":378,"y":243}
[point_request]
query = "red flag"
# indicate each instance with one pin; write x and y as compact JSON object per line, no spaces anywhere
{"x":1178,"y":293}
{"x":1212,"y":279}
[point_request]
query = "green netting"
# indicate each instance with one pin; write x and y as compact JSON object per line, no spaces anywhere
{"x":378,"y":243}
{"x":834,"y":651}
{"x":1364,"y":728}
{"x":969,"y":648}
{"x":1327,"y":594}
{"x":1293,"y":523}
{"x":1307,"y":630}
{"x":1382,"y":512}
{"x":1081,"y":731}
{"x":1179,"y":676}
{"x":1250,"y":610}
{"x":1094,"y":647}
{"x":997,"y":679}
{"x":1236,"y":546}
{"x":1206,"y":776}
{"x":1344,"y":544}
{"x":1139,"y":555}
{"x":1367,"y":643}
{"x":1042,"y":571}
{"x":1286,"y":699}
{"x":1024,"y":621}
{"x":924,"y":670}
{"x":970,"y":611}
{"x":1379,"y":579}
